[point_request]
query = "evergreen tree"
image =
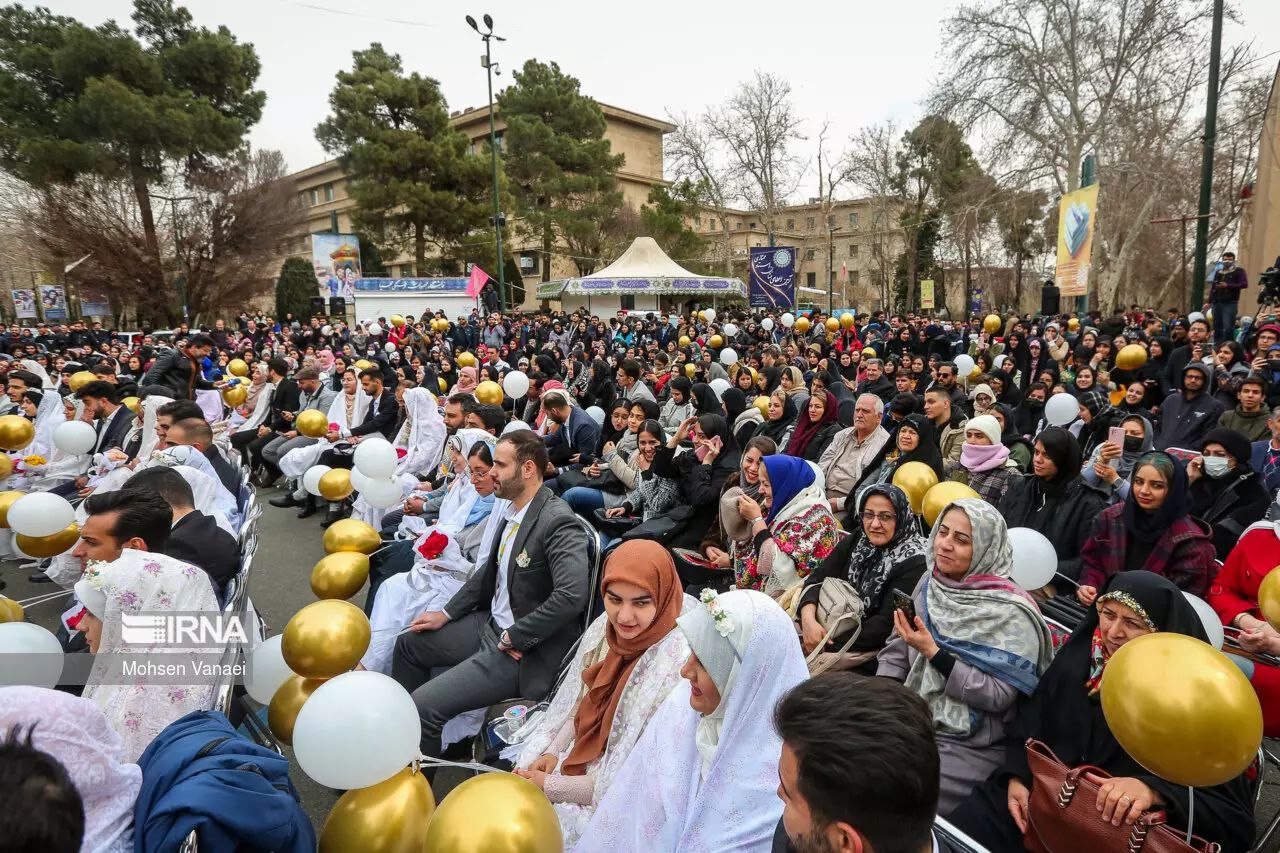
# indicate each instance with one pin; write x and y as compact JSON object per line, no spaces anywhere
{"x":295,"y":287}
{"x":561,"y":168}
{"x":666,"y":219}
{"x":410,"y":173}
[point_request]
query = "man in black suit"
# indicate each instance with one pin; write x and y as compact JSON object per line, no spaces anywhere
{"x":381,"y":418}
{"x":835,"y":799}
{"x":284,"y":403}
{"x":507,"y":630}
{"x":112,"y":421}
{"x":196,"y":432}
{"x":194,"y":538}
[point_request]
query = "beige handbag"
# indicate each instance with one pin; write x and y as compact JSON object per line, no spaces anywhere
{"x":840,"y":609}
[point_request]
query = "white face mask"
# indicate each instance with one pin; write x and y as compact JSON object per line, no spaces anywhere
{"x":1215,"y":466}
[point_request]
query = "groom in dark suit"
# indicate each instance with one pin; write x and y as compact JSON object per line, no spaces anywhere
{"x":506,"y":632}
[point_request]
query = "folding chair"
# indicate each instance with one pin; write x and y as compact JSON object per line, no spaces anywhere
{"x":1265,"y":757}
{"x":956,"y":839}
{"x":594,"y":560}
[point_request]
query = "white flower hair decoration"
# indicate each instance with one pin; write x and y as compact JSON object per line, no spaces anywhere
{"x":723,"y":621}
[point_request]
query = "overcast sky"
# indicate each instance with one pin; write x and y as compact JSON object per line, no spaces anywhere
{"x":854,"y":63}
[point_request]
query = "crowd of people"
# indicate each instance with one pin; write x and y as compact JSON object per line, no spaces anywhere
{"x":772,"y":610}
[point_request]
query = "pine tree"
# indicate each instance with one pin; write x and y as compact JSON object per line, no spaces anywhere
{"x":294,"y":288}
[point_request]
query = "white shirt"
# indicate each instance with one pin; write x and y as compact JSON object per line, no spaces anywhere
{"x":500,"y":608}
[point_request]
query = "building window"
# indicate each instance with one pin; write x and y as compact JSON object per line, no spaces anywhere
{"x":528,"y":263}
{"x":808,"y":223}
{"x":853,"y":250}
{"x":328,"y":192}
{"x":697,"y":220}
{"x":853,"y":218}
{"x":713,"y":223}
{"x":315,"y":197}
{"x":811,"y":278}
{"x":737,"y":226}
{"x":854,"y":277}
{"x":752,"y":226}
{"x":627,"y":302}
{"x":791,"y":225}
{"x":808,"y":254}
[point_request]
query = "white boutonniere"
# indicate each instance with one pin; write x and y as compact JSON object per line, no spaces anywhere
{"x":522,"y":560}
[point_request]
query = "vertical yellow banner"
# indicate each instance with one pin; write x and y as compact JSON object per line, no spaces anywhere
{"x":1076,"y":214}
{"x":926,"y":294}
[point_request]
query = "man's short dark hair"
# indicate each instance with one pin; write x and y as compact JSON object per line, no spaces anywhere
{"x":278,"y":366}
{"x":307,"y":373}
{"x":165,"y":482}
{"x":43,"y":810}
{"x":529,"y":447}
{"x":1256,"y":379}
{"x":631,"y":367}
{"x":195,"y":430}
{"x":103,"y":368}
{"x":950,"y":364}
{"x":180,"y":410}
{"x":98,"y":390}
{"x":200,"y":341}
{"x":371,"y":373}
{"x":468,"y":402}
{"x":141,"y":514}
{"x":865,"y":756}
{"x":27,"y":377}
{"x":493,"y":417}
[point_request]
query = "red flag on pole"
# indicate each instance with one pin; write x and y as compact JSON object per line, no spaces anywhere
{"x":477,"y":281}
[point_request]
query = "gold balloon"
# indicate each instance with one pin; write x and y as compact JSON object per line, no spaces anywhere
{"x":1117,"y":396}
{"x":495,"y":813}
{"x":916,"y":479}
{"x":975,"y":374}
{"x":802,"y":325}
{"x":325,"y":638}
{"x":288,"y":700}
{"x":762,"y":403}
{"x":1268,"y":591}
{"x":1073,"y":325}
{"x":1181,"y":709}
{"x":1131,"y":357}
{"x":6,"y":466}
{"x":833,"y":325}
{"x":6,"y":501}
{"x":362,"y":364}
{"x":79,"y":379}
{"x":312,"y":423}
{"x":444,"y":386}
{"x":389,"y":817}
{"x":340,"y":575}
{"x":466,"y":359}
{"x":489,"y":392}
{"x":689,"y":369}
{"x":716,"y":342}
{"x":684,"y":340}
{"x":335,"y":484}
{"x":238,"y":367}
{"x":846,"y":320}
{"x":11,"y":611}
{"x":991,"y":325}
{"x":234,"y":395}
{"x":937,"y":498}
{"x":350,"y":534}
{"x":870,"y":352}
{"x":397,"y":320}
{"x":702,"y":316}
{"x":131,"y":403}
{"x":16,"y":432}
{"x":49,"y":546}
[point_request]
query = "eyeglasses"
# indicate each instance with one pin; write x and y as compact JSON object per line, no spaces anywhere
{"x":869,"y":516}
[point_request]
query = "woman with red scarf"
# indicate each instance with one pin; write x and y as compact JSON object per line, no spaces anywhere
{"x":815,"y":428}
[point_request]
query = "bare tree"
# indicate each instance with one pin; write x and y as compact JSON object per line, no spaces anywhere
{"x":693,"y":154}
{"x":871,"y":166}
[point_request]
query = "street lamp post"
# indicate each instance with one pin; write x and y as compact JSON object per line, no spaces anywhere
{"x":499,"y":220}
{"x":831,"y":260}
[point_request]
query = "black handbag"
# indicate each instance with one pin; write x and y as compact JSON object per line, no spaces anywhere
{"x":662,"y":527}
{"x":614,"y":528}
{"x":607,"y":481}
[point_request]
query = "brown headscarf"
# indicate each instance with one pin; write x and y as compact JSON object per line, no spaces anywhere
{"x":649,"y":566}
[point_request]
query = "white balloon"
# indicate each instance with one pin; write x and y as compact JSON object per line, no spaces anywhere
{"x":788,"y":319}
{"x":1212,"y":624}
{"x":1194,"y":315}
{"x":74,"y":437}
{"x":267,"y":670}
{"x":1034,"y":559}
{"x":719,"y":386}
{"x":356,"y":730}
{"x":711,"y":315}
{"x":767,"y":324}
{"x":311,"y":482}
{"x":40,"y":514}
{"x":964,"y":364}
{"x":375,"y":458}
{"x":359,"y":482}
{"x":597,"y":414}
{"x":326,"y":330}
{"x":730,"y":330}
{"x":375,"y":329}
{"x":382,"y":493}
{"x":728,"y":356}
{"x":515,"y":384}
{"x":31,"y":656}
{"x":1061,"y":409}
{"x":389,"y":347}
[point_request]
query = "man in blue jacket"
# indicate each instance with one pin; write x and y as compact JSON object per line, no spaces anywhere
{"x":1186,"y":415}
{"x":1265,"y":458}
{"x":578,"y":433}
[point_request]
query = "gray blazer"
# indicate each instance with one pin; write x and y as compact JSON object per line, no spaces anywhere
{"x":548,"y":595}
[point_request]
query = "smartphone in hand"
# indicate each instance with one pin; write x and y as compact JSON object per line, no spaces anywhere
{"x":1115,"y":436}
{"x":904,"y":602}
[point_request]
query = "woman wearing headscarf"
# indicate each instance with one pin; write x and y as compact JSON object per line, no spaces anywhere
{"x":914,"y":441}
{"x":815,"y":428}
{"x":251,"y":414}
{"x":700,"y":778}
{"x":780,"y":419}
{"x":347,"y":410}
{"x":1151,"y":529}
{"x":468,"y":380}
{"x":638,"y":411}
{"x":139,"y":581}
{"x":984,"y":399}
{"x":1109,"y":467}
{"x":742,"y":415}
{"x":1065,"y":713}
{"x":1154,"y":374}
{"x":75,"y":732}
{"x":984,"y":464}
{"x":701,"y":474}
{"x":1020,"y":449}
{"x":705,"y":401}
{"x":1054,"y":499}
{"x":1226,"y":493}
{"x":886,"y":553}
{"x":792,"y":383}
{"x":679,"y":406}
{"x":49,"y":416}
{"x":976,"y":643}
{"x":793,"y":535}
{"x":729,"y":534}
{"x":626,"y":666}
{"x":421,"y":438}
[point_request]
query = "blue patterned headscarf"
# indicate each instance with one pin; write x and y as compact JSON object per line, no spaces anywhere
{"x":788,"y":476}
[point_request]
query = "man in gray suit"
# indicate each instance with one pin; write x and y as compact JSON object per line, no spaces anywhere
{"x":506,"y":632}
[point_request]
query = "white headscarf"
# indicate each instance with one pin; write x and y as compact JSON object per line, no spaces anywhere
{"x":219,"y":500}
{"x":687,"y":788}
{"x":149,"y":437}
{"x":32,"y":366}
{"x":338,"y":410}
{"x":462,"y":495}
{"x":424,"y":433}
{"x":50,"y":414}
{"x":74,"y":731}
{"x":142,"y":581}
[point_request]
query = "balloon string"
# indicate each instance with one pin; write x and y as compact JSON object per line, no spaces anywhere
{"x":465,"y":765}
{"x":41,"y":599}
{"x":1191,"y":811}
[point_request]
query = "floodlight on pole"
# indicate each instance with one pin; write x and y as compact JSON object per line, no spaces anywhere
{"x":498,"y":218}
